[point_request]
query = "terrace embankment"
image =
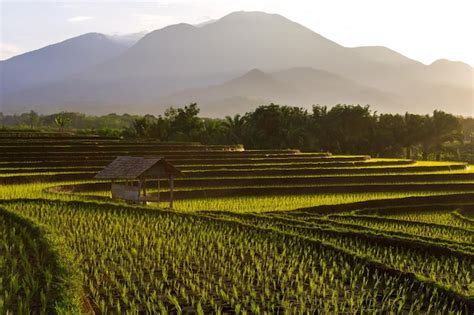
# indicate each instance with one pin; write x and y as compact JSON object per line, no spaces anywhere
{"x":311,"y":232}
{"x":227,"y":171}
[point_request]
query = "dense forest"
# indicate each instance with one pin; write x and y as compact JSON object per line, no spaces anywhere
{"x":342,"y":129}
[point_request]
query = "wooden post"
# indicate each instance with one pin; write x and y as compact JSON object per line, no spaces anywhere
{"x":171,"y":191}
{"x":111,"y":185}
{"x":144,"y":191}
{"x":139,"y":190}
{"x":158,"y":193}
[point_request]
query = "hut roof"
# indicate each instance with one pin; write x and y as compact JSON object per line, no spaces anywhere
{"x":133,"y":167}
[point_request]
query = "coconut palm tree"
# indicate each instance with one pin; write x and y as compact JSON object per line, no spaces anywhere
{"x":61,"y":121}
{"x":234,"y":127}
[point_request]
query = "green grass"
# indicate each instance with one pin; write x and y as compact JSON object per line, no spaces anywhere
{"x":137,"y":259}
{"x":444,"y":217}
{"x":425,"y":258}
{"x":34,"y":274}
{"x":36,"y":190}
{"x":183,"y":262}
{"x":423,"y":229}
{"x":285,"y":203}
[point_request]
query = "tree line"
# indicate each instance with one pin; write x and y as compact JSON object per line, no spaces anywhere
{"x":106,"y":125}
{"x":342,"y":129}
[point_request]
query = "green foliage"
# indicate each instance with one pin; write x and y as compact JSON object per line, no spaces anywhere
{"x":276,"y":126}
{"x":346,"y":128}
{"x":342,"y":129}
{"x":70,"y":121}
{"x":289,"y":267}
{"x":405,"y":249}
{"x":34,"y":278}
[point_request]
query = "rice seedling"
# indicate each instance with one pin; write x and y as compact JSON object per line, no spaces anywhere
{"x":33,"y":277}
{"x":283,"y":251}
{"x":174,"y":256}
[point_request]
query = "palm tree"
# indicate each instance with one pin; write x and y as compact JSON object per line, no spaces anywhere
{"x":234,"y":128}
{"x":61,"y":121}
{"x":445,"y":128}
{"x":413,"y":132}
{"x":34,"y":119}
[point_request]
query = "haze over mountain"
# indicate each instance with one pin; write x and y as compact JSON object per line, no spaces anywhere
{"x":127,"y":39}
{"x":291,"y":86}
{"x":56,"y":62}
{"x":212,"y":64}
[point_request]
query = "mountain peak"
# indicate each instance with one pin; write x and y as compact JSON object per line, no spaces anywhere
{"x":90,"y":36}
{"x":177,"y":27}
{"x":127,"y":39}
{"x":447,"y":63}
{"x":57,"y":61}
{"x":170,"y":29}
{"x":252,"y":77}
{"x":251,"y":16}
{"x":248,"y":14}
{"x":255,"y":73}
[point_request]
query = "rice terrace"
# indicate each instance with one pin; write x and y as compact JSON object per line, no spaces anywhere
{"x":225,"y":157}
{"x":251,"y":231}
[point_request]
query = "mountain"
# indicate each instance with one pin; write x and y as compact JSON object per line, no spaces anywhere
{"x":218,"y":51}
{"x":183,"y":63}
{"x":55,"y":62}
{"x":329,"y":89}
{"x":301,"y":86}
{"x":127,"y":39}
{"x":451,"y":72}
{"x":237,"y":95}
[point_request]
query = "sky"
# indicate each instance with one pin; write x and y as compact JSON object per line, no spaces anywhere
{"x":425,"y":30}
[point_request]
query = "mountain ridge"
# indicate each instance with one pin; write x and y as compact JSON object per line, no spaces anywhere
{"x":56,"y":61}
{"x":303,"y":85}
{"x":181,"y":59}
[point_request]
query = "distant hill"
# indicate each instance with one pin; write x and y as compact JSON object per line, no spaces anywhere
{"x":451,"y":72}
{"x":56,"y":62}
{"x":182,"y":63}
{"x":292,"y":86}
{"x":127,"y":39}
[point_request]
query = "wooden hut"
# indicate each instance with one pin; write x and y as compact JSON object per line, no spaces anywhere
{"x":133,"y":172}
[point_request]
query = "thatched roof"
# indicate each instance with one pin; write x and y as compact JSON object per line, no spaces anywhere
{"x":134,"y":167}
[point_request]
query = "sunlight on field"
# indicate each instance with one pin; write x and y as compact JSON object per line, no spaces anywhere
{"x":284,"y":203}
{"x":235,"y":210}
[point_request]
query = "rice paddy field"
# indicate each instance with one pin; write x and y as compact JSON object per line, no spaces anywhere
{"x":250,"y":232}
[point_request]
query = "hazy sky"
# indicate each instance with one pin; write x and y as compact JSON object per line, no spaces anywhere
{"x":425,"y":30}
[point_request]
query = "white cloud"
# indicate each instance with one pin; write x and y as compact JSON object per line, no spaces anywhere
{"x":79,"y":18}
{"x":8,"y":50}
